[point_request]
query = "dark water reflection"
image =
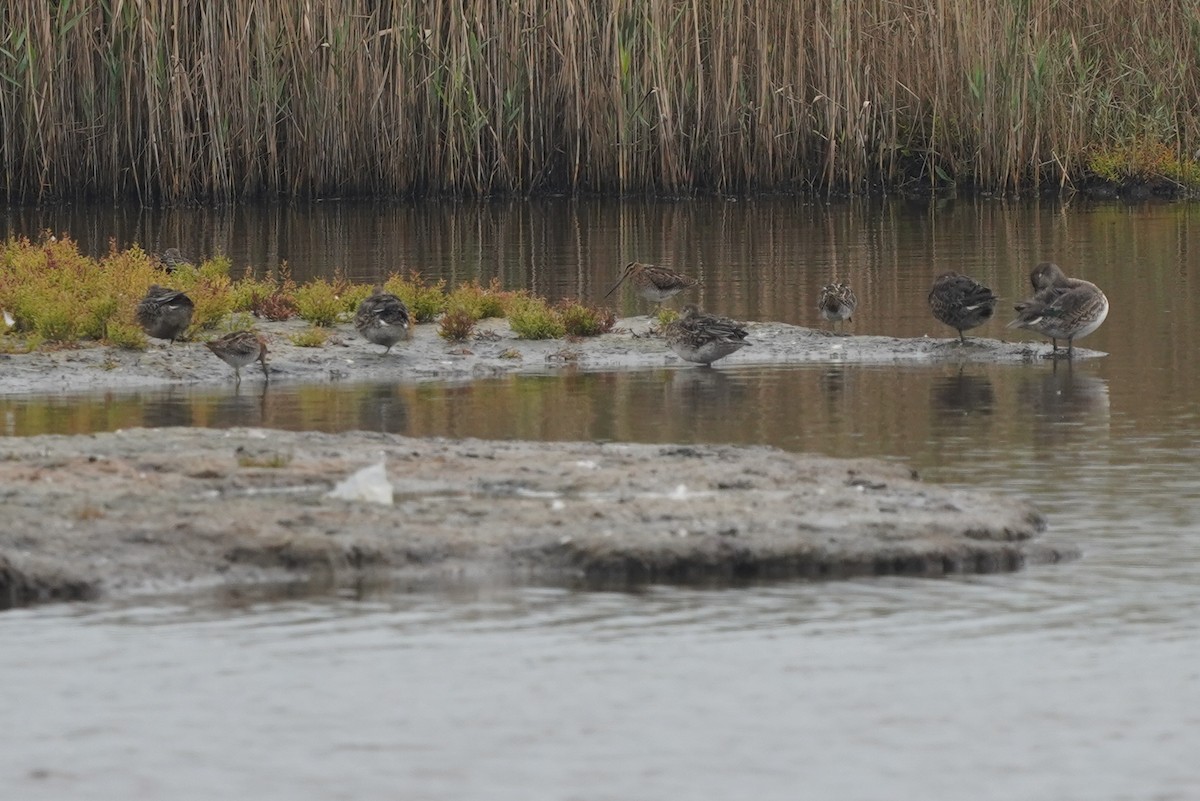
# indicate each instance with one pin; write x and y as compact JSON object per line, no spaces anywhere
{"x":1064,"y":681}
{"x":862,"y":411}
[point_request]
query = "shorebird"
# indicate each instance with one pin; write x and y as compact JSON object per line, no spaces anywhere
{"x":382,"y":319}
{"x":239,"y":349}
{"x":164,"y":313}
{"x":1061,"y":308}
{"x":703,"y":338}
{"x":173,"y":258}
{"x":654,"y":283}
{"x":837,"y":302}
{"x":961,"y":302}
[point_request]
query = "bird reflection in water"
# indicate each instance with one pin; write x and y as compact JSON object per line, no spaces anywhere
{"x":962,"y":396}
{"x":833,"y":383}
{"x":165,"y":409}
{"x":382,"y":408}
{"x":1064,"y":402}
{"x":241,"y":407}
{"x":710,"y":393}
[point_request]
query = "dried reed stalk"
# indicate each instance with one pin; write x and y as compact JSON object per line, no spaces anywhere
{"x":167,"y":100}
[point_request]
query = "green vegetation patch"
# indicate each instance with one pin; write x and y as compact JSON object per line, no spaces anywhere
{"x":1144,"y":160}
{"x":53,"y":294}
{"x":532,"y":318}
{"x":424,"y":301}
{"x":581,"y":320}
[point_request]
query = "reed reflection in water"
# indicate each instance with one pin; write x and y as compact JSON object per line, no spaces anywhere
{"x":916,"y":413}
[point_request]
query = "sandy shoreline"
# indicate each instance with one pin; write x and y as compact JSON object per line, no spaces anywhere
{"x":178,"y":508}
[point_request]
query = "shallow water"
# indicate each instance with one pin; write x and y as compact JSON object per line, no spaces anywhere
{"x":1074,"y":681}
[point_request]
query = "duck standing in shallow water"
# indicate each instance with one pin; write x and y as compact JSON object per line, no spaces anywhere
{"x":382,"y":319}
{"x":961,"y":302}
{"x":239,"y":349}
{"x":703,"y":338}
{"x":165,"y":313}
{"x":1061,"y":308}
{"x":837,"y":302}
{"x":654,"y":283}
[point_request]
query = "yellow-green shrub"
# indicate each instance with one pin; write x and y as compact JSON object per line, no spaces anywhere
{"x":424,"y":301}
{"x":532,"y":318}
{"x":317,"y":302}
{"x":354,"y":294}
{"x":126,"y":335}
{"x":665,"y":316}
{"x":581,"y":320}
{"x":480,"y":301}
{"x":248,"y":293}
{"x":313,"y":337}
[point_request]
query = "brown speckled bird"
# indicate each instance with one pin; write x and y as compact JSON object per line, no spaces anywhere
{"x":653,"y":283}
{"x":703,"y":338}
{"x":837,"y":302}
{"x":239,"y":349}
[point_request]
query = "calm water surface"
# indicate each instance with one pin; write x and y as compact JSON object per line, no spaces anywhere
{"x":1076,"y":681}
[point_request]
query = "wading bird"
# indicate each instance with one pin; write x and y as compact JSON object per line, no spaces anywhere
{"x":1061,"y":308}
{"x":654,"y":283}
{"x":165,"y":313}
{"x":239,"y":349}
{"x":961,"y":302}
{"x":703,"y":338}
{"x":837,"y":302}
{"x":382,"y":319}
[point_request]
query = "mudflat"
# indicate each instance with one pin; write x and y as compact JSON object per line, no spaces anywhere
{"x":493,"y":350}
{"x":163,"y":509}
{"x":149,"y":510}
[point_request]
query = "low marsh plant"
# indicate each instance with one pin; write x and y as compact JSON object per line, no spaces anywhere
{"x":424,"y":301}
{"x":1143,"y":160}
{"x":277,"y":307}
{"x":354,"y":294}
{"x":55,"y":294}
{"x":482,"y":301}
{"x":533,"y":318}
{"x":127,"y":335}
{"x":267,"y":459}
{"x":250,"y":293}
{"x":313,"y":337}
{"x":456,"y":325}
{"x":213,"y":303}
{"x":317,"y":302}
{"x":581,"y":320}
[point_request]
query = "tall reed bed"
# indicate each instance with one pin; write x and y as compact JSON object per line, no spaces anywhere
{"x":171,"y":101}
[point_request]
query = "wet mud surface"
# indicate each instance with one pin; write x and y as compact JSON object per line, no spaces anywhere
{"x":149,"y":510}
{"x":163,"y":509}
{"x":494,"y":351}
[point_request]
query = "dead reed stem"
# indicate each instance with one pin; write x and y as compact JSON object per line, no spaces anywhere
{"x":170,"y":101}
